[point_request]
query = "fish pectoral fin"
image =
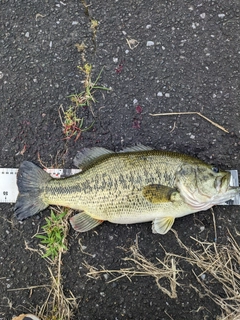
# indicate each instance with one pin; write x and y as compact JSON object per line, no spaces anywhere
{"x":83,"y":222}
{"x":162,"y":225}
{"x":157,"y":193}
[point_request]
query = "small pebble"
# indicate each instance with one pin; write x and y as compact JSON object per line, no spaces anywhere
{"x":203,"y":276}
{"x":135,"y":102}
{"x":150,"y":43}
{"x":195,"y":25}
{"x":106,"y":276}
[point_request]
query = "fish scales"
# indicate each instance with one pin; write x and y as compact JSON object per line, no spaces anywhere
{"x":134,"y":186}
{"x":113,"y":186}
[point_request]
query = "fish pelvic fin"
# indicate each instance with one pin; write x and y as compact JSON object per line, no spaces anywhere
{"x":83,"y":222}
{"x":30,"y":180}
{"x":162,"y":225}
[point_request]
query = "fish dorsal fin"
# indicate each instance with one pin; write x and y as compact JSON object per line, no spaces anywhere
{"x":88,"y":156}
{"x":138,"y":147}
{"x":162,"y":225}
{"x":83,"y":222}
{"x":157,"y":193}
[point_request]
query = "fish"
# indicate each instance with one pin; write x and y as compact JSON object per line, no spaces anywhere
{"x":136,"y":185}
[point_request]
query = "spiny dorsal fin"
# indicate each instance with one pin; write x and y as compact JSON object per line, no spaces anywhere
{"x":162,"y":225}
{"x":88,"y":156}
{"x":157,"y":193}
{"x":138,"y":147}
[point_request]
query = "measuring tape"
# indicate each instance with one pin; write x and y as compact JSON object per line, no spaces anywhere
{"x":9,"y":189}
{"x":8,"y":181}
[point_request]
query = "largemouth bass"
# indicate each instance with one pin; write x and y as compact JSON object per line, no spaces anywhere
{"x":137,"y":185}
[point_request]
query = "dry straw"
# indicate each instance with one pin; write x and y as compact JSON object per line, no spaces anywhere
{"x":218,"y":265}
{"x":140,"y":266}
{"x":188,"y":113}
{"x":220,"y":268}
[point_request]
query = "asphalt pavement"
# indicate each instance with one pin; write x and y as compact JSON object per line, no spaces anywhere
{"x":156,"y":56}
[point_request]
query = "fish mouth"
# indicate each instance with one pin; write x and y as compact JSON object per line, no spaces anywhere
{"x":201,"y":200}
{"x":221,"y":183}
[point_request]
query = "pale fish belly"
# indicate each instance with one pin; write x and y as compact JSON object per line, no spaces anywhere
{"x":134,"y":208}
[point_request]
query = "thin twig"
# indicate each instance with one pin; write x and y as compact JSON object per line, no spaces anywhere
{"x":29,"y":288}
{"x":194,"y":112}
{"x":214,"y":225}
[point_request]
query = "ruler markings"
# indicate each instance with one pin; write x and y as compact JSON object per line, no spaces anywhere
{"x":8,"y":181}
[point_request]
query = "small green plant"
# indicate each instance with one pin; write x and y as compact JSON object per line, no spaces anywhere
{"x":57,"y":306}
{"x":86,"y":98}
{"x":94,"y":26}
{"x":71,"y":122}
{"x":54,"y":236}
{"x":93,"y":22}
{"x":72,"y":125}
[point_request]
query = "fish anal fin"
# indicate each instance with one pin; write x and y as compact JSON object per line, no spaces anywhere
{"x":83,"y":222}
{"x":157,"y":193}
{"x":88,"y":156}
{"x":162,"y":225}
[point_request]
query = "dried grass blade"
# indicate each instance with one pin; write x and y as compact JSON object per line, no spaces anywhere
{"x":187,"y":113}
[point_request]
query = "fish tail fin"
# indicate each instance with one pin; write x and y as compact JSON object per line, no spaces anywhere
{"x":30,"y":180}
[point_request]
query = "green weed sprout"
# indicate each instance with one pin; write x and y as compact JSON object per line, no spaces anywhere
{"x":54,"y":235}
{"x":73,"y":124}
{"x":85,"y":98}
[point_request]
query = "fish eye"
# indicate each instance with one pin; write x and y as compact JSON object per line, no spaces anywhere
{"x":215,"y":169}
